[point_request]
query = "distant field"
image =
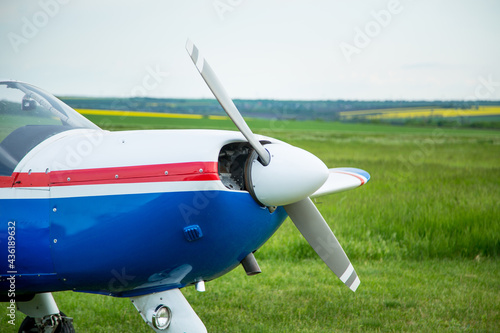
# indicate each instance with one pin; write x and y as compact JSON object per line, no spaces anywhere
{"x":422,"y":112}
{"x":485,"y":116}
{"x":423,"y":235}
{"x":117,"y":113}
{"x":121,"y":120}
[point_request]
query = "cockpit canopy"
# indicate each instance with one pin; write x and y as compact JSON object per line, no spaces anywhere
{"x":28,"y":116}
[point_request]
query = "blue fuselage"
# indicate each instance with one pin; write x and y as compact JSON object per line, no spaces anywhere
{"x":131,"y":244}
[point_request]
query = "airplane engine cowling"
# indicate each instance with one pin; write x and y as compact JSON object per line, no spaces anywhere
{"x":292,"y":175}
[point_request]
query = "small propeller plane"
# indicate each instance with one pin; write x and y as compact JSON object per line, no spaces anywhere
{"x":142,"y":214}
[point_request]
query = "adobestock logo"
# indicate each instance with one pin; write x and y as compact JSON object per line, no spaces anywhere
{"x":39,"y":20}
{"x":485,"y":89}
{"x":150,"y":81}
{"x":222,"y":7}
{"x":363,"y":37}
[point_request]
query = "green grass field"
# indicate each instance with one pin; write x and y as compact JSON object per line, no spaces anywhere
{"x":423,"y":235}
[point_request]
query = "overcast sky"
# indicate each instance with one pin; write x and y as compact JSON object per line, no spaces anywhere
{"x":299,"y":49}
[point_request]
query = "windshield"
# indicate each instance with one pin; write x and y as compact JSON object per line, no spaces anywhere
{"x":28,"y":116}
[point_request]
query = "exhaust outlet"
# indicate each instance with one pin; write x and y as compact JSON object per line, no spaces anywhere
{"x":250,"y":265}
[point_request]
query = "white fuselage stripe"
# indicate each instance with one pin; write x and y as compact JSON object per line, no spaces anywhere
{"x":110,"y":189}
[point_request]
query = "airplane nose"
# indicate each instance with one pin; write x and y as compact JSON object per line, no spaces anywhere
{"x":292,"y":175}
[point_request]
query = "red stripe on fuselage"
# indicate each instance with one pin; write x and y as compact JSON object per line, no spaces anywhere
{"x":190,"y":171}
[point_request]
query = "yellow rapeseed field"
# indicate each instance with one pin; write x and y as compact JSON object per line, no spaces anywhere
{"x":420,"y":113}
{"x":402,"y":113}
{"x":138,"y":114}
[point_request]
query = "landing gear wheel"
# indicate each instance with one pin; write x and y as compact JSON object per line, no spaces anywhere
{"x":29,"y":325}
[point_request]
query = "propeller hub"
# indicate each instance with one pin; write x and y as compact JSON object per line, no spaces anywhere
{"x":292,"y":175}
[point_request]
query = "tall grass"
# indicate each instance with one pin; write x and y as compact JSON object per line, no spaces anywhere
{"x":304,"y":296}
{"x":432,"y":195}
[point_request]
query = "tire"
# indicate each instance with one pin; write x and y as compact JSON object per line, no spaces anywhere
{"x":29,"y":326}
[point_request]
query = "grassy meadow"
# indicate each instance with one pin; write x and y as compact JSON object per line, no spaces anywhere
{"x":423,"y":236}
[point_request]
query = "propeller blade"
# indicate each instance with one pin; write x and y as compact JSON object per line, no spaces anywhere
{"x":316,"y":231}
{"x":225,"y":101}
